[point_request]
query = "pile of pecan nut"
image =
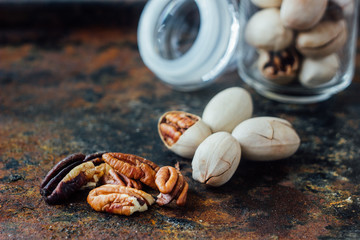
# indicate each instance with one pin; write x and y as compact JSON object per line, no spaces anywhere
{"x":117,"y":180}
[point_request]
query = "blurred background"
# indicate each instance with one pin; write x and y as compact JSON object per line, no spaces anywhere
{"x":53,"y":17}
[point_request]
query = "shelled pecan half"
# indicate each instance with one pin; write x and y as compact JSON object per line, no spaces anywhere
{"x":171,"y":185}
{"x":119,"y":199}
{"x":71,"y":174}
{"x":133,"y":167}
{"x":112,"y":177}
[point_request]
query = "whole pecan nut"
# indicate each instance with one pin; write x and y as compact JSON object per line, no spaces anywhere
{"x":172,"y":185}
{"x":133,"y":167}
{"x":119,"y":199}
{"x":69,"y":175}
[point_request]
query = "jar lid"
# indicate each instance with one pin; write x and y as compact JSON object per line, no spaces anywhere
{"x":210,"y":52}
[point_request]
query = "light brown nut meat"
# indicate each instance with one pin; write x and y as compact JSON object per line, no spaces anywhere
{"x":181,"y":200}
{"x":166,"y":179}
{"x":112,"y":177}
{"x":174,"y":124}
{"x":182,"y":132}
{"x":166,"y":198}
{"x":119,"y":200}
{"x":124,"y":163}
{"x":149,"y":175}
{"x":133,"y":167}
{"x":179,"y":191}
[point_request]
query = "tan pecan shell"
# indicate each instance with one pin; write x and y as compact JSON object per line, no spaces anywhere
{"x":133,"y":167}
{"x":119,"y":199}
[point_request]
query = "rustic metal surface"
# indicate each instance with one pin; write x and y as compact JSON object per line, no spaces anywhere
{"x":85,"y":89}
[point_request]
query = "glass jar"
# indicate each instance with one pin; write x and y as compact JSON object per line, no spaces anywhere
{"x":190,"y":43}
{"x":298,"y":51}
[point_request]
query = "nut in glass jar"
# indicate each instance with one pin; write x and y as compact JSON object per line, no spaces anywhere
{"x":218,"y":34}
{"x":325,"y":34}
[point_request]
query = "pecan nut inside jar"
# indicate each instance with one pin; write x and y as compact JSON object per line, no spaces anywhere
{"x":72,"y":173}
{"x":279,"y":67}
{"x":182,"y":132}
{"x":133,"y":167}
{"x":119,"y":199}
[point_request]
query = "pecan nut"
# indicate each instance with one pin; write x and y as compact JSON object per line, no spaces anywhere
{"x":69,"y":175}
{"x":166,"y":179}
{"x":182,"y":132}
{"x":119,"y":199}
{"x":170,"y":186}
{"x":112,"y":177}
{"x":133,"y":167}
{"x":279,"y":67}
{"x":174,"y":124}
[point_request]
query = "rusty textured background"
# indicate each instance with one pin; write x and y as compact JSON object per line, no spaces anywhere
{"x":72,"y":80}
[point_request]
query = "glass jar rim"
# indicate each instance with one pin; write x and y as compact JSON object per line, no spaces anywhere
{"x":210,"y":53}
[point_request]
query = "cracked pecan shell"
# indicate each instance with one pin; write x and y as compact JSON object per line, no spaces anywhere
{"x":216,"y":159}
{"x":119,"y":199}
{"x":182,"y":132}
{"x":267,"y":138}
